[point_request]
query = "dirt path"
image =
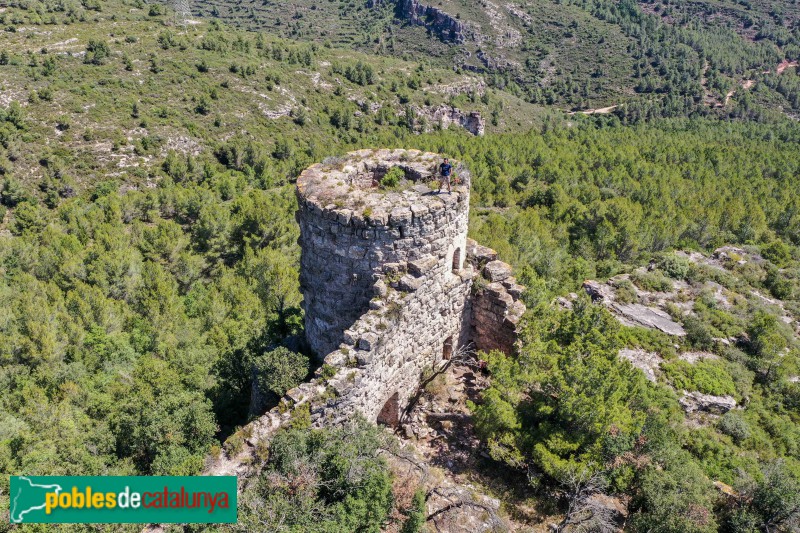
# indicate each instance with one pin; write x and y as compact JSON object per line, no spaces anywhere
{"x":748,"y":84}
{"x":729,"y":95}
{"x":598,"y":111}
{"x":784,"y":65}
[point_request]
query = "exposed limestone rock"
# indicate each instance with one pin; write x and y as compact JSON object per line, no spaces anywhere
{"x":737,"y":255}
{"x":599,"y":292}
{"x":444,"y":25}
{"x":697,"y":401}
{"x":693,"y":357}
{"x":648,"y":317}
{"x":633,"y":314}
{"x":647,"y":362}
{"x":445,"y":115}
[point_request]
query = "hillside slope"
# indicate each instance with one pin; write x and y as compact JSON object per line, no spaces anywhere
{"x":149,"y":260}
{"x":103,"y":92}
{"x":681,"y":57}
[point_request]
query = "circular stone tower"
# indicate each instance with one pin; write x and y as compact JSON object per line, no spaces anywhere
{"x":354,"y":231}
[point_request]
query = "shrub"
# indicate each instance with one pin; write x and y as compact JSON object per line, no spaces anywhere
{"x":12,"y":192}
{"x":652,"y":281}
{"x":96,"y":52}
{"x":650,"y":340}
{"x":697,"y":333}
{"x":320,"y":480}
{"x":28,"y":217}
{"x":733,"y":425}
{"x":299,"y":116}
{"x":675,"y":266}
{"x":416,"y":514}
{"x":203,"y":106}
{"x":778,"y":252}
{"x":280,"y":369}
{"x":327,"y":371}
{"x":706,"y":376}
{"x":392,"y":178}
{"x":779,"y":285}
{"x":625,"y":292}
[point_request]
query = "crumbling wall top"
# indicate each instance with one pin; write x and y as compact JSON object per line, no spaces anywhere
{"x":350,"y":185}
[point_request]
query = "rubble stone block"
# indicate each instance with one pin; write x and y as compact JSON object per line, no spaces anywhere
{"x":496,"y":271}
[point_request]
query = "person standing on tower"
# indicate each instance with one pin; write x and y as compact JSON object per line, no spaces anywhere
{"x":445,"y":170}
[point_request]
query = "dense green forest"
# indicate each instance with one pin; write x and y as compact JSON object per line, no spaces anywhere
{"x":148,"y":260}
{"x":131,"y":321}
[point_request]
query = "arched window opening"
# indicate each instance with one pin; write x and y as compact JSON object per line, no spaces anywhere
{"x":456,"y":259}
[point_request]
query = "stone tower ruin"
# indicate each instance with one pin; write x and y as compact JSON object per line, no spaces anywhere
{"x":392,"y":289}
{"x":384,"y":275}
{"x":354,"y":234}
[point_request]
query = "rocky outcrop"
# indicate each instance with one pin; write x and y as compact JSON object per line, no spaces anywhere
{"x":707,"y":403}
{"x":444,"y":116}
{"x":647,"y":362}
{"x":447,"y":27}
{"x":632,"y":314}
{"x":648,"y":317}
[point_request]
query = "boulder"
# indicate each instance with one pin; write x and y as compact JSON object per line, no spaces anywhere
{"x":647,"y":362}
{"x":648,"y":317}
{"x":598,"y":292}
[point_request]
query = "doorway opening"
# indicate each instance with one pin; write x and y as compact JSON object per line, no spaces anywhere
{"x":390,"y":414}
{"x":447,"y":351}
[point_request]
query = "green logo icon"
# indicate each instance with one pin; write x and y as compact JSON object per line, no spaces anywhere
{"x":28,"y":497}
{"x":122,"y":499}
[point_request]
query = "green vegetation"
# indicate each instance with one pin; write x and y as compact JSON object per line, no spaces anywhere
{"x":653,"y":59}
{"x":651,"y":281}
{"x":706,"y":376}
{"x":567,"y":408}
{"x":279,"y":370}
{"x":331,"y":480}
{"x":392,"y":178}
{"x":149,"y":259}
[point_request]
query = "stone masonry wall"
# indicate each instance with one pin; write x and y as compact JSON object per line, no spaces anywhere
{"x":496,"y":305}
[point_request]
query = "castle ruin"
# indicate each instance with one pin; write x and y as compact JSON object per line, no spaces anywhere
{"x":392,"y":288}
{"x":387,"y":286}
